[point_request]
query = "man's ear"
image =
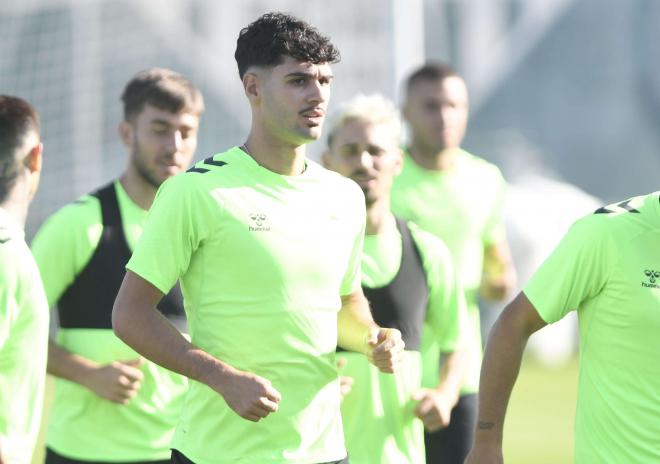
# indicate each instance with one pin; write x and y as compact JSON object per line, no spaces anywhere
{"x":34,"y":160}
{"x":251,"y":83}
{"x":127,"y":133}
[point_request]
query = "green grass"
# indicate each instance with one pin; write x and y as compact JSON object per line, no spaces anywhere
{"x":539,"y":423}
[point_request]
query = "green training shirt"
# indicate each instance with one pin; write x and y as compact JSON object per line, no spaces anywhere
{"x":607,"y":268}
{"x":379,"y":421}
{"x":463,"y":206}
{"x":263,"y":260}
{"x":83,"y":425}
{"x":23,"y":344}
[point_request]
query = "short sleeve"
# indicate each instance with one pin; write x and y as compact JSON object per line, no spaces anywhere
{"x":575,"y":271}
{"x":177,"y":225}
{"x":65,"y":243}
{"x":446,"y":311}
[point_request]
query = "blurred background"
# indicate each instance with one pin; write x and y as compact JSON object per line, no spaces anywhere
{"x":565,"y":98}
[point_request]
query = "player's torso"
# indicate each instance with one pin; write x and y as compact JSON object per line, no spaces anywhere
{"x":455,"y":206}
{"x":617,"y":417}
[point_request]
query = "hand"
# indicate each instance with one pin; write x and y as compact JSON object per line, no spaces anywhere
{"x":485,"y":455}
{"x":118,"y":381}
{"x":386,"y":349}
{"x":434,"y":408}
{"x":345,"y":383}
{"x":248,"y":395}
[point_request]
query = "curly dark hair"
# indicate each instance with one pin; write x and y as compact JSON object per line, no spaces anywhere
{"x":266,"y":42}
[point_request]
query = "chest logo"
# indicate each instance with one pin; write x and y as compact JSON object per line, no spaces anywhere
{"x":652,"y":277}
{"x":258,"y":223}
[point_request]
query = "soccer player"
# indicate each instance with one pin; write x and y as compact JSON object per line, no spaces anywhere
{"x":408,"y":277}
{"x":605,"y":268}
{"x":23,"y":307}
{"x":458,"y":197}
{"x":267,"y":246}
{"x":110,"y":405}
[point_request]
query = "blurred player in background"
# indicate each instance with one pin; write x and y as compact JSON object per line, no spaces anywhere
{"x":458,"y":197}
{"x":23,"y":307}
{"x":110,"y":405}
{"x":408,"y":277}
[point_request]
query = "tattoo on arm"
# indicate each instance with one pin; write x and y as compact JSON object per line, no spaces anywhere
{"x":481,"y":425}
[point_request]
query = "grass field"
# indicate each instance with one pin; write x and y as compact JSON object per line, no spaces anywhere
{"x":539,"y":424}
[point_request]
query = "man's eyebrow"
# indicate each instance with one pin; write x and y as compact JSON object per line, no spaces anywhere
{"x":160,"y":121}
{"x":300,"y":74}
{"x":308,"y":75}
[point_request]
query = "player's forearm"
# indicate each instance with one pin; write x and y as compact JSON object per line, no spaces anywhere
{"x":354,"y":323}
{"x":149,"y":333}
{"x":453,"y":374}
{"x":499,"y":372}
{"x":66,"y":365}
{"x":499,"y":278}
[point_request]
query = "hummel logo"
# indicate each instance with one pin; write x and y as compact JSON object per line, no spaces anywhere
{"x":653,"y":276}
{"x":259,"y":220}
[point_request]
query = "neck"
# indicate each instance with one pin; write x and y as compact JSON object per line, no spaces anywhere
{"x":140,"y":191}
{"x":378,"y":214}
{"x":16,"y":205}
{"x":431,"y":158}
{"x":274,"y":154}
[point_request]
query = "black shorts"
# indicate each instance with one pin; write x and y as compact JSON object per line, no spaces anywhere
{"x":179,"y":458}
{"x":53,"y":458}
{"x":452,"y":445}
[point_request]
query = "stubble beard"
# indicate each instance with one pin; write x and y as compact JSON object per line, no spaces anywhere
{"x":142,"y":170}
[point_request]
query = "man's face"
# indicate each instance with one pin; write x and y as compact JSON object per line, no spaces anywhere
{"x":437,"y":111}
{"x":293,"y":100}
{"x":161,"y":143}
{"x":367,"y":153}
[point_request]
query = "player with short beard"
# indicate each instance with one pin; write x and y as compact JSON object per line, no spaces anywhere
{"x":110,"y":405}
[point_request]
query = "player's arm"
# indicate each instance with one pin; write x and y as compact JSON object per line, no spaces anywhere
{"x":62,"y":247}
{"x":140,"y":325}
{"x":446,"y":318}
{"x":435,"y":404}
{"x":499,"y":277}
{"x":499,"y":371}
{"x":358,"y":332}
{"x":117,"y":381}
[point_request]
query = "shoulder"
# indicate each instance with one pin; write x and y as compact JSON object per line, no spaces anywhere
{"x":480,"y":166}
{"x":16,"y":260}
{"x":80,"y":215}
{"x":626,"y":219}
{"x":432,"y":249}
{"x":335,"y":182}
{"x":218,"y":163}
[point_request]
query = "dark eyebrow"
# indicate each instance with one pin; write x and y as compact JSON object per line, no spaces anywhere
{"x":167,"y":123}
{"x":299,"y":74}
{"x":308,"y":75}
{"x":160,"y":121}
